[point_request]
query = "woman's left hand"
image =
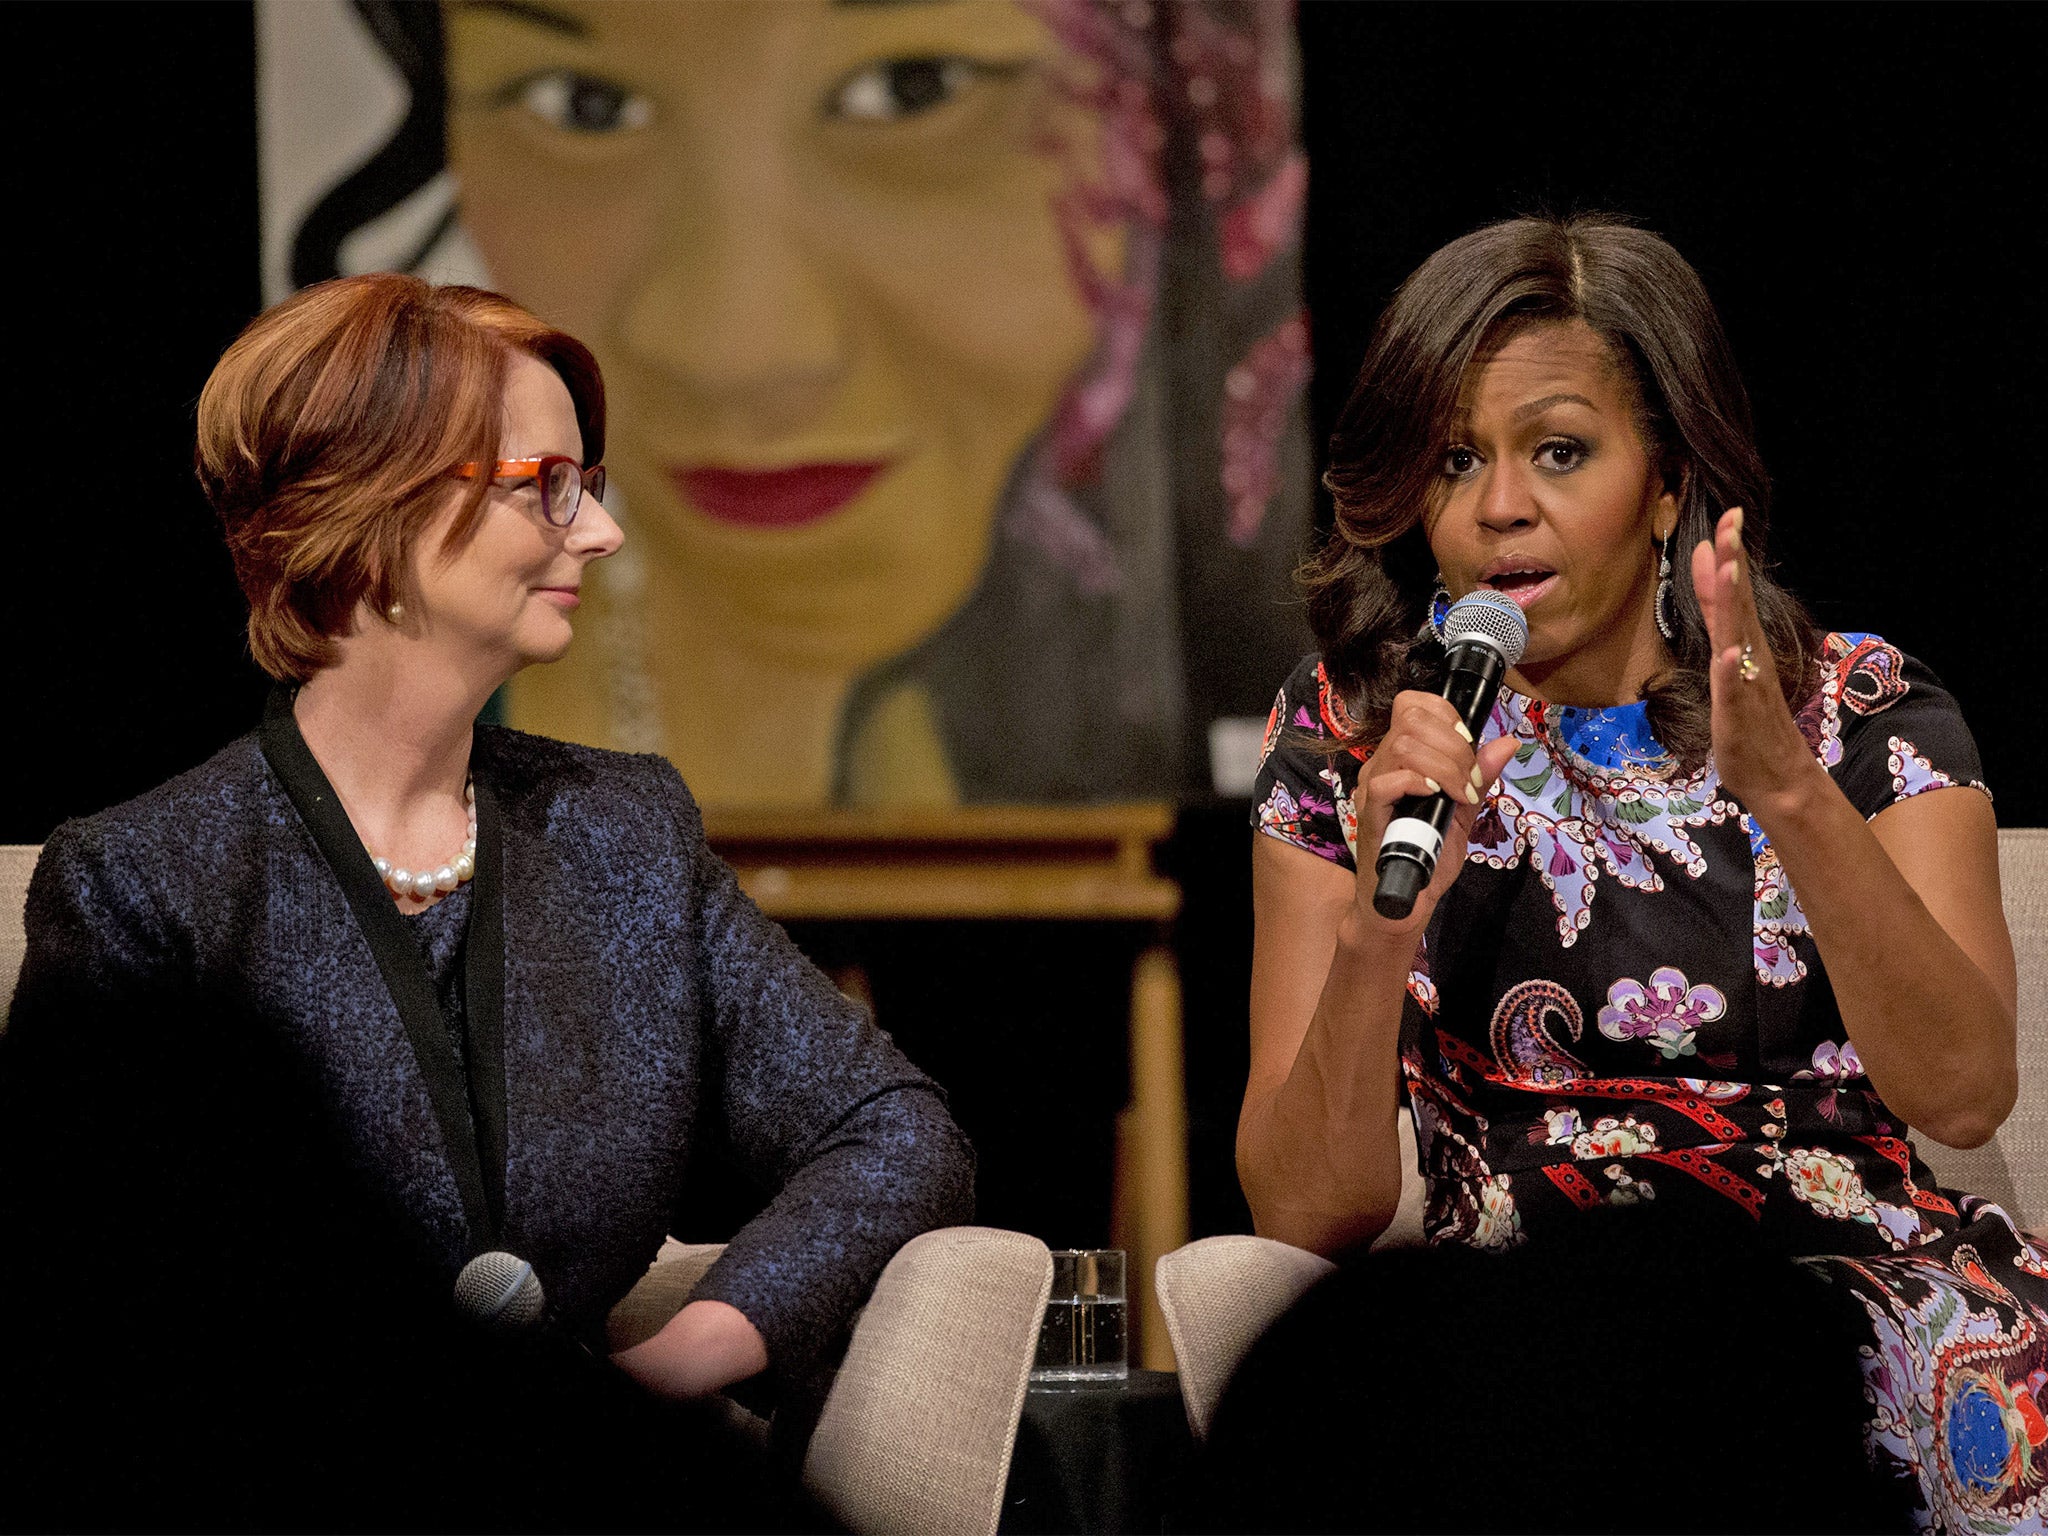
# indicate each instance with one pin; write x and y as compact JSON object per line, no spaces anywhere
{"x":706,"y":1346}
{"x":1758,"y":749}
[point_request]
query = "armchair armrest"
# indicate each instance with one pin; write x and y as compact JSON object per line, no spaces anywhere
{"x":1218,"y":1295}
{"x":917,"y":1431}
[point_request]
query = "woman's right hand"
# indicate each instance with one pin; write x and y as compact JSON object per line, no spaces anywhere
{"x":1424,"y":750}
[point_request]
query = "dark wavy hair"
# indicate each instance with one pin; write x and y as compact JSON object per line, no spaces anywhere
{"x":1370,"y":585}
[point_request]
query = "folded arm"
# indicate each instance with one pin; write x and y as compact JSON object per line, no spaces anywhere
{"x":818,"y":1105}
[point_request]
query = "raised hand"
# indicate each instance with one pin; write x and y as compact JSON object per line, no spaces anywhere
{"x":1424,"y":750}
{"x":1758,"y":750}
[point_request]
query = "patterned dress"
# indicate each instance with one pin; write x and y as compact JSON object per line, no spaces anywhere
{"x":1618,"y":1001}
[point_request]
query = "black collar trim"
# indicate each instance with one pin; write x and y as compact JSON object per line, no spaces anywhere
{"x":475,"y":1144}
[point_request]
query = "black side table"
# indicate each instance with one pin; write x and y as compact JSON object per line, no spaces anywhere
{"x":1098,"y":1458}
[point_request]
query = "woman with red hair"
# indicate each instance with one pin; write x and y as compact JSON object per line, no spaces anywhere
{"x":378,"y":990}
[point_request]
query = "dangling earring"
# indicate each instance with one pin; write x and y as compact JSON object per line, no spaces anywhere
{"x":1439,"y":608}
{"x":1663,"y":602}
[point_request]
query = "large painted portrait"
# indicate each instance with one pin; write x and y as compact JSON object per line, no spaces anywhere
{"x":954,"y":349}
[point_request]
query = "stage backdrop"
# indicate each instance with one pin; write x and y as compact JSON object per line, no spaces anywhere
{"x":955,"y":356}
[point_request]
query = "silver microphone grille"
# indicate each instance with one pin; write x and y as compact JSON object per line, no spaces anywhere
{"x":1489,"y":617}
{"x":500,"y":1290}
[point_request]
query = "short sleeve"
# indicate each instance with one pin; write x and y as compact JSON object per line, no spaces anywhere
{"x":1888,"y":729}
{"x":1303,"y":791}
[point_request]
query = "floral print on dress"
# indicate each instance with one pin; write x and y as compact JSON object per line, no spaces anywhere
{"x":1833,"y":1185}
{"x":1957,"y":1377}
{"x":1614,"y":1137}
{"x":1912,"y":774}
{"x":1828,"y":1182}
{"x":1667,"y":1013}
{"x":1467,"y":1201}
{"x":1299,"y":821}
{"x":1421,"y":986}
{"x":1590,"y":801}
{"x":1585,"y":793}
{"x":1835,"y":1065}
{"x":1347,"y":813}
{"x":1628,"y":1189}
{"x":1777,"y":919}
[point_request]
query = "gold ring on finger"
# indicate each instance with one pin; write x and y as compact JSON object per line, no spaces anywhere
{"x":1748,"y":667}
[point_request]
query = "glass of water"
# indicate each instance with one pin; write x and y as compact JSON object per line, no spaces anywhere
{"x":1083,"y":1336}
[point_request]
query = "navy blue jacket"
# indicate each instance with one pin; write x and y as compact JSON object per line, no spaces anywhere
{"x":204,"y":1067}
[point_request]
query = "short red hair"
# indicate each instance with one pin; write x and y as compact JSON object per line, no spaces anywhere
{"x":327,"y":433}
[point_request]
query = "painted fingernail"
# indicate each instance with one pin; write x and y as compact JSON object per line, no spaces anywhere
{"x":1471,"y":795}
{"x":1434,"y":787}
{"x":1465,"y":733}
{"x":1477,"y":781}
{"x":1735,"y":516}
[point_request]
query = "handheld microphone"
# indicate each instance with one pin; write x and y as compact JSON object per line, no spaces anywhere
{"x":1484,"y":634}
{"x":501,"y":1292}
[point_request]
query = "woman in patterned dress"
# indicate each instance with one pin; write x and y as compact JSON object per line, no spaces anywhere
{"x":1719,"y":915}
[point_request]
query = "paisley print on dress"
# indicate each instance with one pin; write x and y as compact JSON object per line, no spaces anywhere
{"x":1526,"y":1050}
{"x":1872,"y":673}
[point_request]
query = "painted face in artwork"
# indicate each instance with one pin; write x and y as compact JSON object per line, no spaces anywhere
{"x":820,"y":252}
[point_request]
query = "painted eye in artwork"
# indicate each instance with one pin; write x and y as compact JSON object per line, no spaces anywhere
{"x":574,"y":102}
{"x":890,"y":90}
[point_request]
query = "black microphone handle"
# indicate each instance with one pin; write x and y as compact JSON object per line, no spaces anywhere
{"x":1472,"y":678}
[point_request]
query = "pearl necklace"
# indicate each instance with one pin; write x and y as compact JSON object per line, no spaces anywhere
{"x":403,"y":882}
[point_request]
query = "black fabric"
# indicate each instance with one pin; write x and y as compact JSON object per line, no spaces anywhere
{"x":1098,"y":1457}
{"x":1638,"y":1370}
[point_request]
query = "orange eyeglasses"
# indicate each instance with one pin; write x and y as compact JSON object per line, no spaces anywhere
{"x":561,"y":479}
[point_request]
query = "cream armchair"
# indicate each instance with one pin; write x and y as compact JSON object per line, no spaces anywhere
{"x":917,"y":1430}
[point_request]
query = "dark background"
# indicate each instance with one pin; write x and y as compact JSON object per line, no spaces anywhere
{"x":1861,"y":188}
